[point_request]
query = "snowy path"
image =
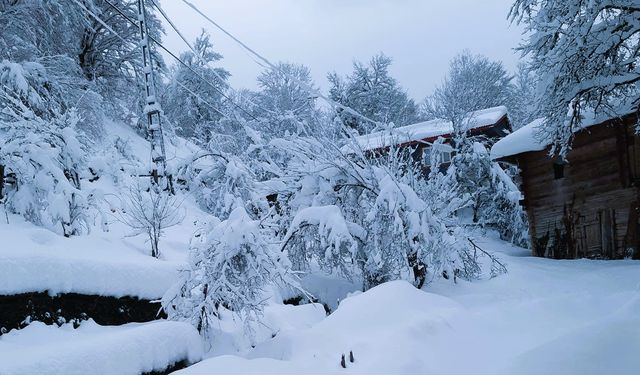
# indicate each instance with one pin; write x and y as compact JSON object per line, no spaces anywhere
{"x":544,"y":317}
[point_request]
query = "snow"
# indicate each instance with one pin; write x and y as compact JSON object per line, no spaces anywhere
{"x":34,"y":259}
{"x":525,"y":139}
{"x":544,"y":317}
{"x":332,"y":226}
{"x":423,"y":130}
{"x":529,"y":138}
{"x":95,"y":349}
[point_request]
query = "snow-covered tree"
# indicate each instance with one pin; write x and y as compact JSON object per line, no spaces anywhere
{"x":494,"y":198}
{"x":283,"y":99}
{"x":588,"y":57}
{"x":88,"y":66}
{"x":473,"y":83}
{"x":374,"y":221}
{"x":193,"y":117}
{"x":231,"y":264}
{"x":149,"y":211}
{"x":40,"y":152}
{"x":220,"y":183}
{"x":371,"y":91}
{"x":523,"y":108}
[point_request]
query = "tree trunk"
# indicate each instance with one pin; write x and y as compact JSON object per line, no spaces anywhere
{"x":1,"y":182}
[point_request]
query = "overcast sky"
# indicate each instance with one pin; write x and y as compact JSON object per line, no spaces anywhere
{"x":327,"y":35}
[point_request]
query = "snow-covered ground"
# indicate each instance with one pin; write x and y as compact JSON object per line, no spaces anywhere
{"x":108,"y":261}
{"x":34,"y":259}
{"x":543,"y":317}
{"x":94,"y":349}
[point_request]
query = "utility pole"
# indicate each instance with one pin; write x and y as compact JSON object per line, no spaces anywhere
{"x":152,"y":110}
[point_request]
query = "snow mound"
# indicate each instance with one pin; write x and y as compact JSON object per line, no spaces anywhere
{"x":383,"y":327}
{"x":34,"y":259}
{"x":229,"y":364}
{"x":94,"y":349}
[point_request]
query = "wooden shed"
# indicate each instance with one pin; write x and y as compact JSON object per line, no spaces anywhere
{"x":587,"y":206}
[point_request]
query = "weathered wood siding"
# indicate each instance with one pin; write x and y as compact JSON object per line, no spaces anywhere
{"x":585,"y":213}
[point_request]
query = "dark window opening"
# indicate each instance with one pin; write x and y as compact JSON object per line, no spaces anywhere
{"x":558,"y":170}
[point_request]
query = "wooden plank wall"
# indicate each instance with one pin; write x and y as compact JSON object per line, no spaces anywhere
{"x":586,"y":212}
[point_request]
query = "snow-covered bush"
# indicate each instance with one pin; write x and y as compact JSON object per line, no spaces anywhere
{"x":231,"y":263}
{"x":41,"y":152}
{"x":495,"y":199}
{"x":150,"y":211}
{"x":387,"y":221}
{"x":321,"y":234}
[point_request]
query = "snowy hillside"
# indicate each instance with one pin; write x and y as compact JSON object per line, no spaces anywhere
{"x":107,"y":261}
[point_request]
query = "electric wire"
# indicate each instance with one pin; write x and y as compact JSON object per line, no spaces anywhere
{"x":179,"y":60}
{"x":198,"y":56}
{"x":97,"y":18}
{"x":306,"y":87}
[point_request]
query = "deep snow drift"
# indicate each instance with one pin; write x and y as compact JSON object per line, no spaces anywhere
{"x":544,"y":317}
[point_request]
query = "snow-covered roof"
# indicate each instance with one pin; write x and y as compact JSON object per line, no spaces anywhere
{"x":522,"y":140}
{"x":528,"y":139}
{"x":425,"y":130}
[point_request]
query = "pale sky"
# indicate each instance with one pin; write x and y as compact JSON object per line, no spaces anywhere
{"x":327,"y":35}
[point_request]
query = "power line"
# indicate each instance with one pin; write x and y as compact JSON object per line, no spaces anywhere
{"x":100,"y":21}
{"x":184,"y":39}
{"x":198,"y":75}
{"x":155,"y":41}
{"x":197,"y":55}
{"x":306,"y":87}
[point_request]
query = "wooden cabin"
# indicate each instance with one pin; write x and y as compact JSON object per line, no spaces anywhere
{"x":490,"y":125}
{"x":587,"y":206}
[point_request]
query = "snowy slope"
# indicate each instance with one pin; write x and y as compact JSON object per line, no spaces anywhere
{"x":544,"y":317}
{"x":37,"y":260}
{"x":107,"y":261}
{"x":94,"y":349}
